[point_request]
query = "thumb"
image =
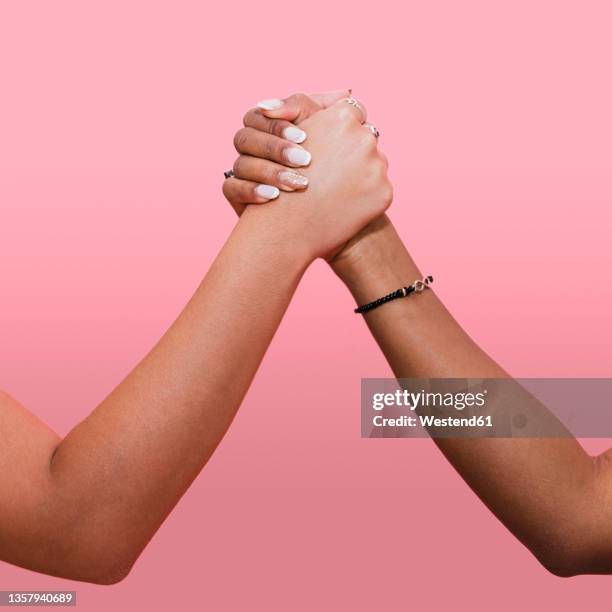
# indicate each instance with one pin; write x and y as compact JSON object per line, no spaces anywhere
{"x":295,"y":108}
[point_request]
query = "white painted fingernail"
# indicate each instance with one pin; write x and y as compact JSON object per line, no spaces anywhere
{"x":292,"y":179}
{"x":267,"y":191}
{"x":299,"y":157}
{"x":270,"y":104}
{"x":294,"y":134}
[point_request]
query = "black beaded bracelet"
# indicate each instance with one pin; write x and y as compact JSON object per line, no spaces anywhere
{"x":416,"y":287}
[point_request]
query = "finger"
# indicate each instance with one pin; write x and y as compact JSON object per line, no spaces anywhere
{"x":372,"y":129}
{"x":249,"y":141}
{"x":268,"y":173}
{"x":350,"y":108}
{"x":278,"y":127}
{"x":295,"y":108}
{"x":329,"y":98}
{"x":240,"y":192}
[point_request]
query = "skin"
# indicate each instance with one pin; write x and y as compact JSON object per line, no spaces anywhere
{"x":85,"y":507}
{"x":263,"y":149}
{"x":550,"y":493}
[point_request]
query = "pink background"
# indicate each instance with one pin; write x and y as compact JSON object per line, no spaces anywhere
{"x":116,"y":121}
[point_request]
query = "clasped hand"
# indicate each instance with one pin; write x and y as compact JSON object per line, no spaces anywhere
{"x":316,"y":161}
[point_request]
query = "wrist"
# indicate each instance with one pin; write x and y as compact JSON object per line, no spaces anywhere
{"x":375,"y":262}
{"x":371,"y":252}
{"x":275,"y":235}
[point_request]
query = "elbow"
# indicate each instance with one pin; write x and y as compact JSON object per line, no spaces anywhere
{"x":99,"y":573}
{"x":91,"y":548}
{"x":105,"y":565}
{"x":107,"y":575}
{"x":569,"y":559}
{"x":562,"y":568}
{"x":102,"y":573}
{"x":578,"y":541}
{"x":107,"y":579}
{"x":89,"y":561}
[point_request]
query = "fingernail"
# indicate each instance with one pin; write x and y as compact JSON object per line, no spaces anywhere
{"x":267,"y":191}
{"x":294,"y":134}
{"x":270,"y":104}
{"x":292,"y":179}
{"x":299,"y":157}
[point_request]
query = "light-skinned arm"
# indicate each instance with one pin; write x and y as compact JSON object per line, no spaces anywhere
{"x":85,"y":507}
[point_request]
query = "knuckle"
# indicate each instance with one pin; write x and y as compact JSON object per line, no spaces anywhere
{"x":300,"y":106}
{"x":386,"y":194}
{"x":385,"y":160}
{"x":238,"y":166}
{"x":245,"y":192}
{"x":227,"y":189}
{"x":251,"y":117}
{"x":270,"y":174}
{"x":274,"y":149}
{"x":275,"y":127}
{"x":299,"y":98}
{"x":369,"y":143}
{"x":241,"y":138}
{"x":382,"y":171}
{"x":345,"y":113}
{"x":381,"y":167}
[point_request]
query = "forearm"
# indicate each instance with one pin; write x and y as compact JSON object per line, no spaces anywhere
{"x":544,"y":490}
{"x":419,"y":337}
{"x":113,"y":480}
{"x":118,"y":474}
